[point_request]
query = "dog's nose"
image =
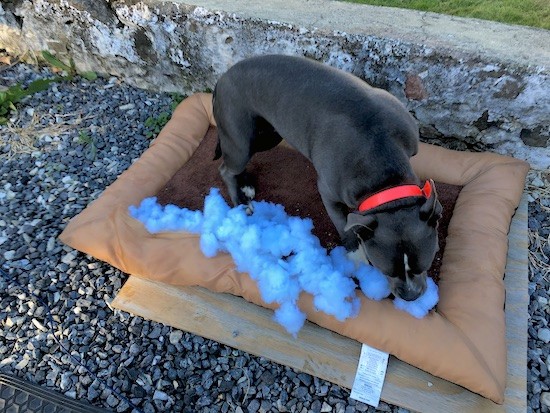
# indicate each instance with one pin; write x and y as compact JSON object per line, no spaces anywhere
{"x":414,"y":286}
{"x":409,"y":295}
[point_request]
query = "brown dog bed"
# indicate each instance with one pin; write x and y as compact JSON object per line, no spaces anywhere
{"x":463,"y":341}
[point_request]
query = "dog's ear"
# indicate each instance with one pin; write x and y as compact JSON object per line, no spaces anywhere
{"x":431,"y":210}
{"x":362,"y":225}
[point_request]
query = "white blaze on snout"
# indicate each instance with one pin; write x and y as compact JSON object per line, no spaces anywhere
{"x":406,"y":261}
{"x":413,"y":282}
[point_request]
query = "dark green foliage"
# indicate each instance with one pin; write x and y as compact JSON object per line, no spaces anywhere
{"x":16,"y":93}
{"x":154,"y":125}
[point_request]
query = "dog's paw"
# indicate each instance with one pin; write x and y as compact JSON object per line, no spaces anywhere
{"x":248,"y":191}
{"x":246,"y":195}
{"x":245,"y":188}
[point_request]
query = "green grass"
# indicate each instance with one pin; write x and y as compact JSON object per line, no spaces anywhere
{"x":87,"y":141}
{"x":14,"y":94}
{"x":534,"y":13}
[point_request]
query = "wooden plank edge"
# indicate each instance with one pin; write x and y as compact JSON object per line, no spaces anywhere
{"x":517,"y":311}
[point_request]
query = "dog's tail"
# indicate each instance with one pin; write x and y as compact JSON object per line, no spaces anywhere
{"x":218,"y":151}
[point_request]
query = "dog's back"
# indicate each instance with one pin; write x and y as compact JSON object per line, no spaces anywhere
{"x":301,"y":96}
{"x":316,"y":107}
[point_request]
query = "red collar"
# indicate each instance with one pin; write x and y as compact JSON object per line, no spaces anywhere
{"x":397,"y":192}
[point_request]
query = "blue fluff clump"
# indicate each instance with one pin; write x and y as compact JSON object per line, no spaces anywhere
{"x":157,"y":218}
{"x":373,"y":283}
{"x":280,"y":253}
{"x":423,"y":304}
{"x":290,"y":317}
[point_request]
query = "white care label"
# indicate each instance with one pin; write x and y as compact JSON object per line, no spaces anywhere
{"x":370,"y":376}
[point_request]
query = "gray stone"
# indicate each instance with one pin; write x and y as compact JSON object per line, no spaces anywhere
{"x":24,"y":362}
{"x":175,"y":336}
{"x":69,"y":257}
{"x":117,"y":348}
{"x":112,"y":401}
{"x":361,"y":407}
{"x":301,"y":392}
{"x":340,"y":408}
{"x":92,"y":393}
{"x":66,"y":382}
{"x":267,"y":378}
{"x":534,"y":402}
{"x":128,"y":106}
{"x":9,"y":255}
{"x":544,"y":335}
{"x":155,"y":333}
{"x":543,"y":370}
{"x":206,"y":379}
{"x":383,"y":407}
{"x":160,"y":395}
{"x":265,"y":406}
{"x":316,"y":406}
{"x":281,"y":406}
{"x":325,"y":408}
{"x":305,"y":378}
{"x":253,"y":406}
{"x":545,"y":399}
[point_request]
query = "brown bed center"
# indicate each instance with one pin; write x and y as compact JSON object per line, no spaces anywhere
{"x":283,"y":176}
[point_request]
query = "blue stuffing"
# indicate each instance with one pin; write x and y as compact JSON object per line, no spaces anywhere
{"x":281,"y":254}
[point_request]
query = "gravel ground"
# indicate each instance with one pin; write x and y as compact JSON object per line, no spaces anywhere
{"x":62,"y":148}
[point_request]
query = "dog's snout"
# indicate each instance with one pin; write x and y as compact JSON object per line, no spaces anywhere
{"x":411,"y":288}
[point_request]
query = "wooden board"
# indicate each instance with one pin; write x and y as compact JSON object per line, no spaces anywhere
{"x":235,"y":322}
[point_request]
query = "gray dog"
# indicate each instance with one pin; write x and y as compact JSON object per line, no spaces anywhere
{"x":359,"y":139}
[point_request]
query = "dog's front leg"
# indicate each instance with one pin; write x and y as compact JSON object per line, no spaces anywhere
{"x":337,"y":211}
{"x":230,"y":179}
{"x":235,"y":153}
{"x":239,"y":187}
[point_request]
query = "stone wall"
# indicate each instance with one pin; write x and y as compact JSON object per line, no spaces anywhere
{"x":465,"y":95}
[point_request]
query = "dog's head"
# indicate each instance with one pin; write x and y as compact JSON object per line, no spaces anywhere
{"x":400,"y":240}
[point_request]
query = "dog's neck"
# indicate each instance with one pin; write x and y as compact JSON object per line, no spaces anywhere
{"x":395,"y":193}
